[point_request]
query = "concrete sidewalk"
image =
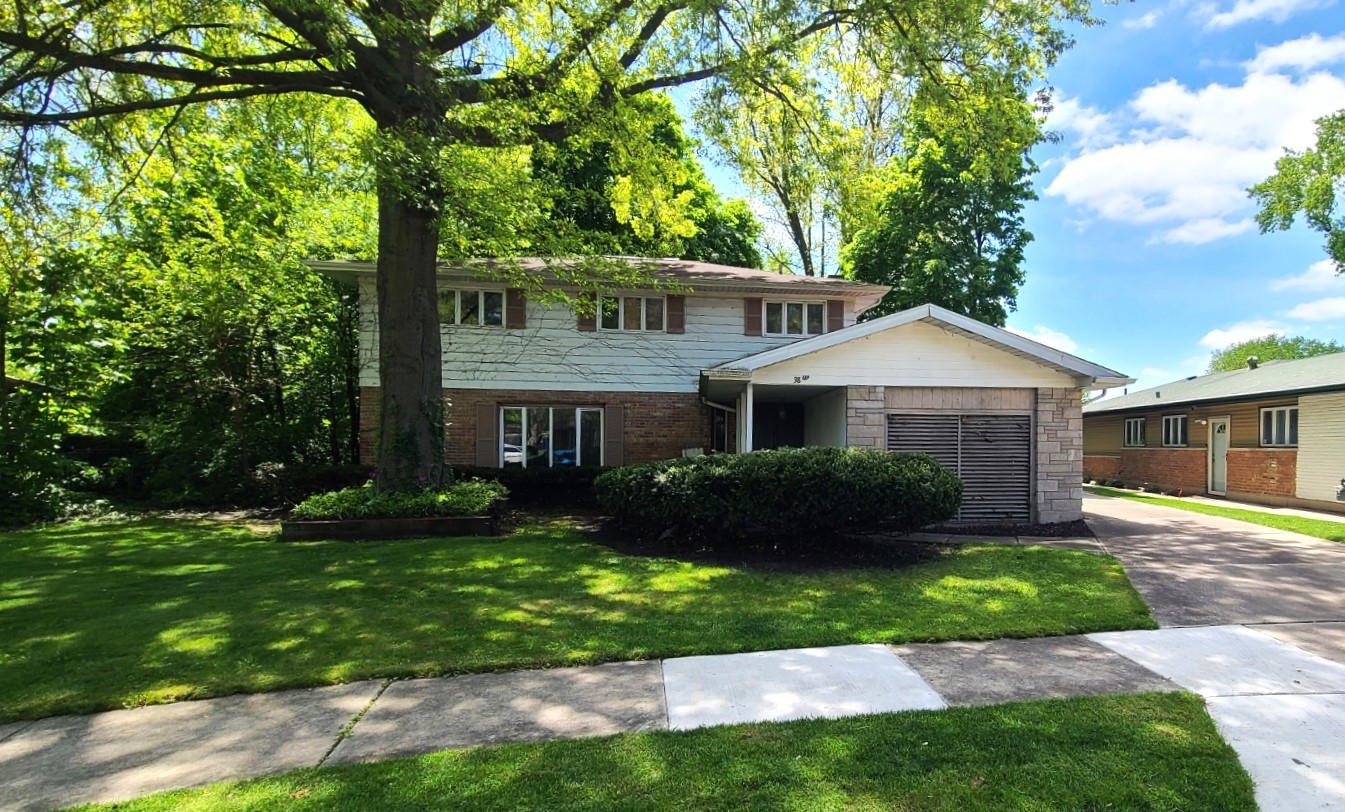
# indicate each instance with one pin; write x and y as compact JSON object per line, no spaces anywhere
{"x":1281,"y":706}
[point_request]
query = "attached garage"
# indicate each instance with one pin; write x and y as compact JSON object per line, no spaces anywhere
{"x":991,"y":453}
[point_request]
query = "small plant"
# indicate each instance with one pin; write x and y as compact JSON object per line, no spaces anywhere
{"x":800,"y":493}
{"x":467,"y":498}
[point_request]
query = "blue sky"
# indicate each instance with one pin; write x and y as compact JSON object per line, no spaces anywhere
{"x":1146,"y":256}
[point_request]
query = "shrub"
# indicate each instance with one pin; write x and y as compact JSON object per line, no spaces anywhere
{"x":561,"y":485}
{"x":468,"y":498}
{"x":790,"y":492}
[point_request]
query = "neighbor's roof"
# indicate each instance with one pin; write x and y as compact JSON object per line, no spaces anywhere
{"x":955,"y":323}
{"x":695,"y":275}
{"x":1323,"y":373}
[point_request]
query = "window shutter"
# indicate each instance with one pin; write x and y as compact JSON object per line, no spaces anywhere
{"x":515,"y":309}
{"x":588,"y":322}
{"x":752,"y":316}
{"x":614,"y":444}
{"x":835,"y":315}
{"x":487,"y":447}
{"x":677,"y":314}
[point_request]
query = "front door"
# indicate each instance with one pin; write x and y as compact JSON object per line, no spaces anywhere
{"x":1219,"y":456}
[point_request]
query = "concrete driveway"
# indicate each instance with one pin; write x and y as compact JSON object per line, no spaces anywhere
{"x":1196,"y":570}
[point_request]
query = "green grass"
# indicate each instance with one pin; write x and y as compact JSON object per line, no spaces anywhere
{"x":1321,"y":528}
{"x":1142,"y":752}
{"x":112,"y":615}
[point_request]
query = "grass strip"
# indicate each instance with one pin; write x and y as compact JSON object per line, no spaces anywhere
{"x":105,"y":616}
{"x":1320,"y":528}
{"x":1139,"y":752}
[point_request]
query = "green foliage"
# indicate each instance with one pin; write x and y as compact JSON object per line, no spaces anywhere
{"x":1309,"y":183}
{"x":1269,"y":348}
{"x":560,"y":486}
{"x":468,"y":498}
{"x":799,"y":493}
{"x":950,"y":231}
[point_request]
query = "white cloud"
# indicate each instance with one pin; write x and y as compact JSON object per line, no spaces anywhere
{"x":1243,"y":11}
{"x":1242,"y":331}
{"x":1051,"y":338}
{"x":1319,"y":276}
{"x":1089,"y":126}
{"x":1180,"y":158}
{"x":1321,"y":310}
{"x":1303,"y":53}
{"x":1209,"y":229}
{"x":1148,"y":20}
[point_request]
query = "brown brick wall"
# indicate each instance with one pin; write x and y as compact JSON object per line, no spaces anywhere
{"x":1262,"y":471}
{"x":1170,"y":467}
{"x":1100,"y":466}
{"x":658,"y":424}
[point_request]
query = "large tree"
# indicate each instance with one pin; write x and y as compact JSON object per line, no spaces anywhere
{"x":1309,"y":183}
{"x":951,"y":229}
{"x":437,"y":78}
{"x":1269,"y":348}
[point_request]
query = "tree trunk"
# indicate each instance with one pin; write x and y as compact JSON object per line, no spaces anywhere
{"x":411,"y":428}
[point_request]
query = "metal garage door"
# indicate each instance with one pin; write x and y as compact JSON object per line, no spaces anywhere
{"x":992,"y":453}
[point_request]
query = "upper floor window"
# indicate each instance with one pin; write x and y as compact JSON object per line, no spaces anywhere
{"x":795,"y":318}
{"x":1279,"y":426}
{"x":476,"y":307}
{"x":631,"y":313}
{"x":1134,"y":432}
{"x":1174,"y":430}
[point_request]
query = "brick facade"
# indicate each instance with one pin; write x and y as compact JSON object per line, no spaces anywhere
{"x":658,"y":425}
{"x":1101,"y":466}
{"x":865,"y":417}
{"x":1270,"y":472}
{"x":1183,"y":468}
{"x":1058,"y":487}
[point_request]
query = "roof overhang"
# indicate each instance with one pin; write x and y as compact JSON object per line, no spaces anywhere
{"x":1086,"y":374}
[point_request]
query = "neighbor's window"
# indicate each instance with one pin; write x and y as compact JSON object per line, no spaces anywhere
{"x":550,"y":436}
{"x":1279,"y":426}
{"x":795,"y":318}
{"x":475,"y":307}
{"x":1174,"y":430}
{"x":631,"y":313}
{"x":1134,"y":432}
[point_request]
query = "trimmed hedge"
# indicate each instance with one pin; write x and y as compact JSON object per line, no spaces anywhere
{"x":791,"y":492}
{"x":467,"y":498}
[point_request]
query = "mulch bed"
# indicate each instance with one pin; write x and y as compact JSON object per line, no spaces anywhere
{"x":1059,"y":530}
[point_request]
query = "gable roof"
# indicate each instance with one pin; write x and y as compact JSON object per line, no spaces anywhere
{"x":955,"y":323}
{"x":699,"y":276}
{"x":1323,"y":373}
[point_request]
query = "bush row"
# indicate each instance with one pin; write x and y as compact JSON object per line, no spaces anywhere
{"x":789,"y":492}
{"x":467,"y":498}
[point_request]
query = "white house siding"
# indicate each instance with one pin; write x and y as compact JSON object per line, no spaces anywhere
{"x":915,"y":354}
{"x":551,"y":354}
{"x":1321,"y":446}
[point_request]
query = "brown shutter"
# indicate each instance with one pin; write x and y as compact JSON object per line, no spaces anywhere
{"x":677,"y":314}
{"x":588,"y":322}
{"x":752,"y":317}
{"x":614,"y":444}
{"x":835,"y":315}
{"x":515,"y":309}
{"x":487,"y":448}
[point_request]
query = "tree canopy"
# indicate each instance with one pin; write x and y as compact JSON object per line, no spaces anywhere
{"x":1272,"y":347}
{"x":439,"y":80}
{"x":1309,"y":183}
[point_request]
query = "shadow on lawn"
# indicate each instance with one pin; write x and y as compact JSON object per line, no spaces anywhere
{"x":105,"y":616}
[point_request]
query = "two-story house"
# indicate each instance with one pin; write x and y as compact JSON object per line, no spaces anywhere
{"x":740,"y":359}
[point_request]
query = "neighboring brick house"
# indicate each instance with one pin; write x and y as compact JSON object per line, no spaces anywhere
{"x":735,"y":359}
{"x":1272,"y":433}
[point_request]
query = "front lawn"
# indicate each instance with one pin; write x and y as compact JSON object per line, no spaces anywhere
{"x":1320,"y":528}
{"x":1148,"y":751}
{"x":103,"y":616}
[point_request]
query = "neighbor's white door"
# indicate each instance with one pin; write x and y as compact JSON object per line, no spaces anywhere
{"x":1219,"y":456}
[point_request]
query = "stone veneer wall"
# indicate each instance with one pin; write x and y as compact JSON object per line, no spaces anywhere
{"x":1058,"y":491}
{"x":865,"y":417}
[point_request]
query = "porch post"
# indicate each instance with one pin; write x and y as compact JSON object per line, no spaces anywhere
{"x":747,"y":419}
